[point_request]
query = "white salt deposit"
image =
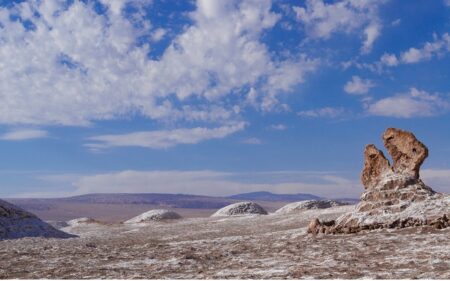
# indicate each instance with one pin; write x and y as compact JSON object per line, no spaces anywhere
{"x":154,"y":215}
{"x":241,"y":208}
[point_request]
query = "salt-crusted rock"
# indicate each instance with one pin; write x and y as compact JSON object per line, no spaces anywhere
{"x":394,"y":196}
{"x":242,"y":208}
{"x":308,"y":205}
{"x":17,"y":223}
{"x":81,"y":221}
{"x":154,"y":215}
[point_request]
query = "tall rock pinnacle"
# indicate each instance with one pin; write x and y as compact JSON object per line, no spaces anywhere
{"x":394,"y":195}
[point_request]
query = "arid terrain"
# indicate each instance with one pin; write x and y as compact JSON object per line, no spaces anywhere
{"x":271,"y":246}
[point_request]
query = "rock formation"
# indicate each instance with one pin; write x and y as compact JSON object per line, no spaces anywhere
{"x":394,"y":195}
{"x":17,"y":223}
{"x":242,"y":208}
{"x":154,"y":215}
{"x":81,"y":221}
{"x":309,"y":205}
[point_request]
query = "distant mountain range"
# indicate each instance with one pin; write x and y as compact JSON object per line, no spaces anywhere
{"x":268,"y":196}
{"x":186,"y":201}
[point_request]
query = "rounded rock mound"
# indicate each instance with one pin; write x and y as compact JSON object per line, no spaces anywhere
{"x":154,"y":215}
{"x":17,"y":223}
{"x":81,"y":221}
{"x":240,"y":209}
{"x":309,"y":205}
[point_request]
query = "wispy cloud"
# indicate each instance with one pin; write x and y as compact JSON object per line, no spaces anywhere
{"x":329,"y":184}
{"x":325,"y":112}
{"x":358,"y":86}
{"x":206,"y":182}
{"x":163,"y":138}
{"x":252,"y":141}
{"x":436,"y":48}
{"x":278,"y":127}
{"x":322,"y":19}
{"x":415,"y":103}
{"x":23,"y":134}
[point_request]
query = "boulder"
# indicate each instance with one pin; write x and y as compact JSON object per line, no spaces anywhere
{"x":154,"y":215}
{"x":18,"y":223}
{"x":394,"y":196}
{"x":239,"y":209}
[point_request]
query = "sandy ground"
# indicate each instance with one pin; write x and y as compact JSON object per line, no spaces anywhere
{"x":273,"y":246}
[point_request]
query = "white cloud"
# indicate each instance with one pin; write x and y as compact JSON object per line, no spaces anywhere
{"x":415,"y":103}
{"x":278,"y":127}
{"x":389,"y":59}
{"x":164,"y":138}
{"x":447,"y":3}
{"x":321,"y":20}
{"x":396,"y":22}
{"x":372,"y":32}
{"x":158,"y":34}
{"x":438,"y":47}
{"x":358,"y":86}
{"x":76,"y":66}
{"x":24,"y":134}
{"x":252,"y":141}
{"x":326,"y":112}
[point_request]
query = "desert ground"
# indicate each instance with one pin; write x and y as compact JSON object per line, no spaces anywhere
{"x":267,"y":246}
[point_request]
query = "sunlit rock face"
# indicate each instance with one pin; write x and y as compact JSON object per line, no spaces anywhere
{"x":394,"y":196}
{"x":17,"y":223}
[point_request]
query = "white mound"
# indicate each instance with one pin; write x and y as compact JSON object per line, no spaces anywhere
{"x":241,"y":208}
{"x":17,"y":223}
{"x":81,"y":221}
{"x":308,"y":205}
{"x":154,"y":215}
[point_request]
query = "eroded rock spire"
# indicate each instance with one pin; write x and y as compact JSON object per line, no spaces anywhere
{"x":394,"y":195}
{"x":406,"y":151}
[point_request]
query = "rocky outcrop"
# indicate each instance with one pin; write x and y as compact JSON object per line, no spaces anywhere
{"x":242,"y":208}
{"x":309,"y":205}
{"x":394,"y":195}
{"x":154,"y":215}
{"x":17,"y":223}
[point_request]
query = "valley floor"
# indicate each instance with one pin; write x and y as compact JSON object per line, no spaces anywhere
{"x":273,"y":246}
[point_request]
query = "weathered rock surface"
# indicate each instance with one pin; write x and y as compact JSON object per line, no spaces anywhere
{"x":394,"y":196}
{"x":375,"y":166}
{"x":241,"y":208}
{"x":406,"y":151}
{"x":17,"y":223}
{"x":309,"y":205}
{"x":154,"y":215}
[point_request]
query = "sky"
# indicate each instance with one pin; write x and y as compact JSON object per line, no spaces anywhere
{"x":216,"y":97}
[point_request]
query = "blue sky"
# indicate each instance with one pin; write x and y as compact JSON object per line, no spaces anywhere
{"x":216,"y":97}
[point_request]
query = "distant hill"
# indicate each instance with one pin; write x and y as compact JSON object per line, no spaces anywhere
{"x":168,"y":200}
{"x":268,"y":196}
